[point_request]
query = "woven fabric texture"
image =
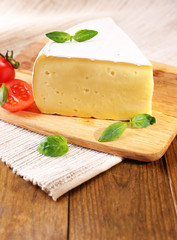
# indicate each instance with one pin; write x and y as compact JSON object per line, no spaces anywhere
{"x":54,"y":175}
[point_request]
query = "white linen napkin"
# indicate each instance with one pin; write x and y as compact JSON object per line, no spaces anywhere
{"x":55,"y":175}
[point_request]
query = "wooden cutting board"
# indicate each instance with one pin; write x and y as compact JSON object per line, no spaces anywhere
{"x":147,"y":144}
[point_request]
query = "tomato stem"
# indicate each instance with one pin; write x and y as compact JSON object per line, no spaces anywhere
{"x":15,"y":64}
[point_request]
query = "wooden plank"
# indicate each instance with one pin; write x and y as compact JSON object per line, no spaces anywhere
{"x":171,"y":165}
{"x":29,"y":54}
{"x":140,"y":144}
{"x":26,"y":212}
{"x":130,"y":201}
{"x":164,"y":87}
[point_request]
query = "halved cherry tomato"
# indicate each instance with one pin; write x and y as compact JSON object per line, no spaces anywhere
{"x":20,"y":95}
{"x":7,"y":72}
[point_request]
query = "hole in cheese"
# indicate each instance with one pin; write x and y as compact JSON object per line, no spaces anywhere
{"x":112,"y":73}
{"x":86,"y":90}
{"x":47,"y":73}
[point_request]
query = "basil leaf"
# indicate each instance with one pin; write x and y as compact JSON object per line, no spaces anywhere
{"x":3,"y":94}
{"x":53,"y":146}
{"x":58,"y":37}
{"x":113,"y":132}
{"x":83,"y":35}
{"x":143,"y":120}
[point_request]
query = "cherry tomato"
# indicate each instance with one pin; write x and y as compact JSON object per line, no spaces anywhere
{"x":7,"y":72}
{"x":20,"y":95}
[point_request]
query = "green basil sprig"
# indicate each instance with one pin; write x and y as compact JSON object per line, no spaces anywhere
{"x":142,"y":120}
{"x":84,"y":35}
{"x":80,"y":36}
{"x":53,"y":146}
{"x":59,"y":37}
{"x":3,"y":94}
{"x":115,"y":130}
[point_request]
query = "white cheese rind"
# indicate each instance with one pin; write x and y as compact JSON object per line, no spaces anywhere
{"x":111,"y":44}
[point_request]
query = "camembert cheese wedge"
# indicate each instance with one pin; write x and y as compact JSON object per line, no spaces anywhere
{"x":106,"y":77}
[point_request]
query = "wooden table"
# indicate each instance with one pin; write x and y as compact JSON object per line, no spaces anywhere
{"x":133,"y":200}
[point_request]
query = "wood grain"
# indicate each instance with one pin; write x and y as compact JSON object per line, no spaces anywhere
{"x":131,"y":201}
{"x":27,"y":213}
{"x":171,"y":166}
{"x":139,"y":144}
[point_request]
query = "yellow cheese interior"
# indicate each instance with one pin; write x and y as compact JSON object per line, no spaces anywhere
{"x":86,"y":88}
